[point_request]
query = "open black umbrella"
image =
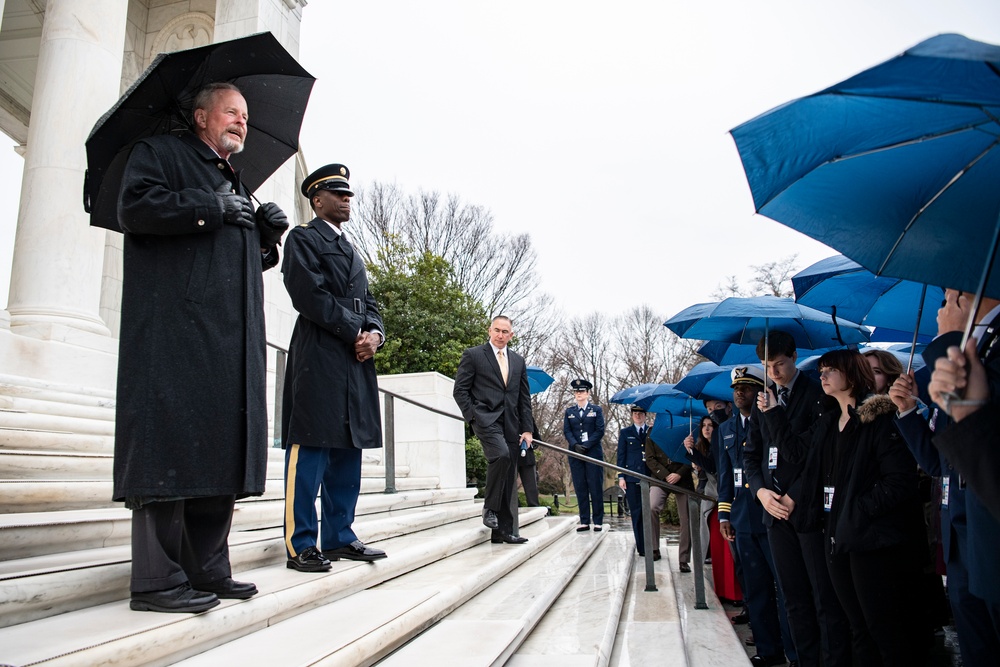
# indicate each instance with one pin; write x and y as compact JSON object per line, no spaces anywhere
{"x":276,"y":89}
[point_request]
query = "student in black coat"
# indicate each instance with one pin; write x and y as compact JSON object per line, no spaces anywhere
{"x":860,"y":481}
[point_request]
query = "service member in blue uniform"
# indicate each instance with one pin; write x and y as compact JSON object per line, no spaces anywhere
{"x":330,"y":410}
{"x":741,"y":519}
{"x":583,"y":426}
{"x":631,"y":443}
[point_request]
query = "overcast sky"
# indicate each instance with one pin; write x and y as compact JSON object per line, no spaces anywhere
{"x":601,"y":129}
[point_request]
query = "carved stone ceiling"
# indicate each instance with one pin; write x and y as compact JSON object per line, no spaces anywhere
{"x":19,"y":38}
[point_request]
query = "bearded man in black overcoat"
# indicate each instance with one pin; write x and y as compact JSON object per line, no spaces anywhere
{"x":191,"y":422}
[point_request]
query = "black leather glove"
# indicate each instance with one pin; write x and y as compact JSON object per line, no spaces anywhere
{"x":236,"y":209}
{"x":272,"y":222}
{"x":580,"y":449}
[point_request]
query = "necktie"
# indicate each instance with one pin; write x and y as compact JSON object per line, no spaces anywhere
{"x":783,"y":395}
{"x":642,"y":430}
{"x":502,"y":359}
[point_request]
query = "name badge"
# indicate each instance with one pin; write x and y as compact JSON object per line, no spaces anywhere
{"x":583,"y":437}
{"x":772,"y":458}
{"x":738,"y":477}
{"x":827,"y":498}
{"x":945,"y":487}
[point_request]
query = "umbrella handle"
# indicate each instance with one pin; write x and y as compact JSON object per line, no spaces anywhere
{"x":836,"y":326}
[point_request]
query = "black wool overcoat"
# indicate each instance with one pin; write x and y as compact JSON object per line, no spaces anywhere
{"x":330,"y":398}
{"x":192,"y":414}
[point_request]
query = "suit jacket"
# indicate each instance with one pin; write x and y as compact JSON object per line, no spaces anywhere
{"x":330,"y":398}
{"x":736,"y":503}
{"x":630,"y":451}
{"x":661,"y":466}
{"x":483,"y":397}
{"x":803,"y":408}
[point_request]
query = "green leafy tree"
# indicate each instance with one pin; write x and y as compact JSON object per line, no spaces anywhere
{"x":429,"y":319}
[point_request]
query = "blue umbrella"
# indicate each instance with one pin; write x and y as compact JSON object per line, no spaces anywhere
{"x":632,"y":394}
{"x":745,"y":321}
{"x":669,"y":435}
{"x":896,"y":167}
{"x":666,"y":398}
{"x":538,"y":380}
{"x":703,"y":374}
{"x":726,"y":354}
{"x":857,"y":294}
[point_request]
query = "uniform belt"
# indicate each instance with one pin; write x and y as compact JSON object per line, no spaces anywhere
{"x":355,"y":305}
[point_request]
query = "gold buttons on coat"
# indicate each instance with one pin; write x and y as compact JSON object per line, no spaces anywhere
{"x":201,"y":223}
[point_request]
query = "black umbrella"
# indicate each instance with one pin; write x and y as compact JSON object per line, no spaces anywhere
{"x":276,"y":89}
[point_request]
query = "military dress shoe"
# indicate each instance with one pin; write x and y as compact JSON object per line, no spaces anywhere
{"x":512,"y":539}
{"x":656,"y":554}
{"x":490,"y":519}
{"x":598,"y":528}
{"x":356,"y":550}
{"x":741,"y":618}
{"x":583,"y":529}
{"x":227,"y":589}
{"x":767,"y":660}
{"x":179,"y":599}
{"x":685,"y":567}
{"x":310,"y":560}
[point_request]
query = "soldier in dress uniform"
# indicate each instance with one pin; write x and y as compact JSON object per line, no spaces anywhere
{"x":631,"y":442}
{"x":741,"y":519}
{"x":330,"y":410}
{"x":583,"y":426}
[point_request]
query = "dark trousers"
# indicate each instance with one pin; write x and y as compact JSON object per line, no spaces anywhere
{"x":633,"y":496}
{"x":529,"y":482}
{"x":588,"y":482}
{"x":501,"y":472}
{"x":976,"y":620}
{"x":877,"y":591}
{"x":178,"y":541}
{"x":762,"y":596}
{"x":336,"y":475}
{"x":816,"y":621}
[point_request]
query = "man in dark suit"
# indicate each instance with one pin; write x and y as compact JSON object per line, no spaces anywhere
{"x":491,"y":390}
{"x":631,"y":443}
{"x":816,"y":620}
{"x":191,"y":423}
{"x":330,"y":410}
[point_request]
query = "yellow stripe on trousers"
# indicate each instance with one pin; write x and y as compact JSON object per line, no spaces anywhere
{"x":293,"y":461}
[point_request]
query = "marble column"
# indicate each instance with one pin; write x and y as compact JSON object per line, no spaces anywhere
{"x":58,"y":257}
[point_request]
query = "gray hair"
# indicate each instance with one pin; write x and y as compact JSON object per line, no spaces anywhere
{"x":206,"y":96}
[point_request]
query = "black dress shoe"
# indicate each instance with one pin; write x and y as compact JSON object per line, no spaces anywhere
{"x":490,"y":519}
{"x":685,"y":567}
{"x":583,"y":528}
{"x":741,"y":618}
{"x":793,"y":663}
{"x":656,"y":554}
{"x":598,"y":528}
{"x":767,"y":660}
{"x":512,"y":539}
{"x":227,"y":589}
{"x":178,"y":599}
{"x":310,"y":560}
{"x":356,"y":550}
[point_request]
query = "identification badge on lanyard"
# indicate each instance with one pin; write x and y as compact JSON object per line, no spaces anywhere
{"x":738,"y":477}
{"x":945,"y":487}
{"x":827,"y":498}
{"x":583,"y":437}
{"x":772,"y":458}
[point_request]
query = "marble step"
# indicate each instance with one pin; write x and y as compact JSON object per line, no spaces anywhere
{"x":52,"y":441}
{"x":487,"y":629}
{"x":579,"y":629}
{"x":385,"y":616}
{"x":43,"y":586}
{"x":41,"y":406}
{"x":48,"y":495}
{"x":113,"y":636}
{"x":39,"y":533}
{"x":31,"y":421}
{"x":16,"y":387}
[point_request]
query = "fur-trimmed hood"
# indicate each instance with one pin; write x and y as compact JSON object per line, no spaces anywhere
{"x":875,"y":406}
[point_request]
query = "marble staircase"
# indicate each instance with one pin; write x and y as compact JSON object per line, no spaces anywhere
{"x":445,"y":595}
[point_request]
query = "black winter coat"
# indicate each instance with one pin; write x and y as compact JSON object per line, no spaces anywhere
{"x":191,"y":419}
{"x":875,"y":502}
{"x":330,"y":398}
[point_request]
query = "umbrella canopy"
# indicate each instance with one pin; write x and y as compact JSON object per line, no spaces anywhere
{"x":745,"y":320}
{"x":276,"y":89}
{"x":669,"y":434}
{"x":708,"y":380}
{"x":666,"y":398}
{"x":630,"y":395}
{"x":841,"y":285}
{"x":725,"y":354}
{"x":538,"y":379}
{"x":897,"y":167}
